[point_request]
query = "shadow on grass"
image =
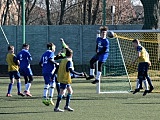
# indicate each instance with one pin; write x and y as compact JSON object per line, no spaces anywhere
{"x":22,"y":112}
{"x":141,"y":103}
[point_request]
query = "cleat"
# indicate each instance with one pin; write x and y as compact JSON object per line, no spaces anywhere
{"x":135,"y":91}
{"x":8,"y":95}
{"x":85,"y":75}
{"x":27,"y":93}
{"x":68,"y":108}
{"x":145,"y":92}
{"x":45,"y":101}
{"x":95,"y":81}
{"x":150,"y":90}
{"x":21,"y":94}
{"x":50,"y":102}
{"x":90,"y":77}
{"x":58,"y":110}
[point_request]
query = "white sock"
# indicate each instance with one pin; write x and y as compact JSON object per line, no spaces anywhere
{"x":98,"y":76}
{"x":92,"y":72}
{"x":137,"y":84}
{"x":28,"y":86}
{"x":45,"y":91}
{"x":51,"y":91}
{"x":146,"y":84}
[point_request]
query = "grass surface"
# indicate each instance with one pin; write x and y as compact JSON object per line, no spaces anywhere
{"x":87,"y":104}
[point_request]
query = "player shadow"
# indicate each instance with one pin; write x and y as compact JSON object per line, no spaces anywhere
{"x":22,"y":112}
{"x":153,"y":103}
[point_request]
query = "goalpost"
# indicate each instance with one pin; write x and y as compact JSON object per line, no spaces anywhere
{"x":118,"y":73}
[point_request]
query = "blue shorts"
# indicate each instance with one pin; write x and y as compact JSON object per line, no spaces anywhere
{"x":64,"y":86}
{"x":26,"y":71}
{"x":143,"y":67}
{"x":48,"y":78}
{"x":14,"y":74}
{"x":101,"y":58}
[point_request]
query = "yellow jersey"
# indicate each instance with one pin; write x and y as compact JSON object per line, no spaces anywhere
{"x":63,"y":75}
{"x":144,"y":54}
{"x":11,"y":65}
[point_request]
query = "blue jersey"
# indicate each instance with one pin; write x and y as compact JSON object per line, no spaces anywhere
{"x":47,"y":66}
{"x":24,"y":57}
{"x":102,"y":43}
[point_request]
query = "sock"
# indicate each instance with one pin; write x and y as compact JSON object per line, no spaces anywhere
{"x":51,"y":90}
{"x":58,"y":87}
{"x":146,"y":84}
{"x":68,"y":99}
{"x":10,"y":88}
{"x":45,"y":91}
{"x":58,"y":101}
{"x":28,"y":86}
{"x":98,"y":75}
{"x":19,"y":87}
{"x":92,"y":72}
{"x":137,"y":84}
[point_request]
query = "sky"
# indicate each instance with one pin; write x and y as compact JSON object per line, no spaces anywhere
{"x":136,"y":2}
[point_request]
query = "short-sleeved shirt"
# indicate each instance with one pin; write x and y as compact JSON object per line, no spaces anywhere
{"x":102,"y":43}
{"x":47,"y":67}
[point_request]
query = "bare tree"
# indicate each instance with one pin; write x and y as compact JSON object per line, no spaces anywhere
{"x":95,"y":12}
{"x":48,"y":13}
{"x":63,"y":3}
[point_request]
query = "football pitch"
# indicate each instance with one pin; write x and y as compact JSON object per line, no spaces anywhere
{"x":87,"y":104}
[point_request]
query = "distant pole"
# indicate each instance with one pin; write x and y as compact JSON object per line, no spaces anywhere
{"x":112,"y":12}
{"x":104,"y":12}
{"x":23,"y":22}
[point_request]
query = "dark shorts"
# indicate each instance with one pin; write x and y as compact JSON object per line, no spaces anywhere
{"x":14,"y":74}
{"x":101,"y":58}
{"x":26,"y":71}
{"x":48,"y":78}
{"x":143,"y":67}
{"x":64,"y":86}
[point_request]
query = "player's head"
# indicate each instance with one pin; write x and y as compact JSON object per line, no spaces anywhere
{"x":51,"y":46}
{"x":103,"y":31}
{"x":25,"y":46}
{"x":69,"y":52}
{"x":135,"y":43}
{"x":11,"y":49}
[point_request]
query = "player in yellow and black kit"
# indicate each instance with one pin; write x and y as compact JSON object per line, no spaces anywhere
{"x":13,"y":70}
{"x":64,"y":78}
{"x":144,"y":63}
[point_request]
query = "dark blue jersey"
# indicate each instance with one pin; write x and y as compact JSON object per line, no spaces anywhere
{"x":102,"y":44}
{"x":24,"y":57}
{"x":47,"y":65}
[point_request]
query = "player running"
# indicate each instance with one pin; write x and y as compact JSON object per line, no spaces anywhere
{"x":102,"y":51}
{"x":25,"y":58}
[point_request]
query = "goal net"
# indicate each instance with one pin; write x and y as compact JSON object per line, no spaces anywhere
{"x":118,"y":74}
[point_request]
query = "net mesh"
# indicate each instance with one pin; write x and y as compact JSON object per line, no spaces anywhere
{"x":114,"y":69}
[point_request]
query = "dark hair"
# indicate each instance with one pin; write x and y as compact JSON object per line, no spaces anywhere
{"x":103,"y":28}
{"x":10,"y":47}
{"x":69,"y":52}
{"x":135,"y":41}
{"x":50,"y":45}
{"x":25,"y":45}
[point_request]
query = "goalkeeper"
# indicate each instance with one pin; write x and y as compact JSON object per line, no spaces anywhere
{"x":144,"y":63}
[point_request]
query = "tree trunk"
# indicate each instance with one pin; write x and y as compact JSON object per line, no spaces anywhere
{"x":151,"y":14}
{"x":84,"y":12}
{"x":89,"y":11}
{"x":95,"y":13}
{"x":5,"y":14}
{"x":63,"y":3}
{"x":48,"y":13}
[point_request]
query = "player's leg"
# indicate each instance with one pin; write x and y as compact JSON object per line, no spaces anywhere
{"x":98,"y":76}
{"x":17,"y":77}
{"x":11,"y":76}
{"x":59,"y":97}
{"x":70,"y":92}
{"x":51,"y":90}
{"x":92,"y":67}
{"x":146,"y":87}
